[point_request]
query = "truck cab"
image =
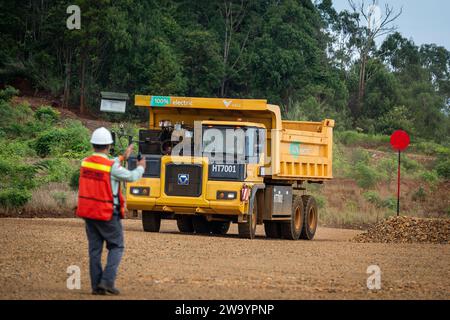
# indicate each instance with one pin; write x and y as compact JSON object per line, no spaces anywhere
{"x":211,"y":162}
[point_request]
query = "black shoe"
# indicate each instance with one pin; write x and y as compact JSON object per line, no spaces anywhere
{"x":108,"y":289}
{"x":98,"y":292}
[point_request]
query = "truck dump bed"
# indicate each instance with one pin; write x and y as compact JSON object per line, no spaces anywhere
{"x":305,"y":150}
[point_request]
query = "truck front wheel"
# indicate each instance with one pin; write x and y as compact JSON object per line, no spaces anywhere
{"x":201,"y":225}
{"x":248,"y":229}
{"x":220,"y":227}
{"x":151,"y":221}
{"x":311,"y":218}
{"x":185,"y":224}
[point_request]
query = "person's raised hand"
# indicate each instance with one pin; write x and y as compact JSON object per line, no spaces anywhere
{"x":128,"y":152}
{"x":142,"y":163}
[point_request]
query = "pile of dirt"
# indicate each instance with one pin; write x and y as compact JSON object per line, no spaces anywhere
{"x":407,"y":230}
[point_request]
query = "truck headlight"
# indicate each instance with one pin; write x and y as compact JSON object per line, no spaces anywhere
{"x":226,"y":195}
{"x":140,"y":191}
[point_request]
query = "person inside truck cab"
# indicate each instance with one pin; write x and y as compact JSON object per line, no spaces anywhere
{"x":101,"y":205}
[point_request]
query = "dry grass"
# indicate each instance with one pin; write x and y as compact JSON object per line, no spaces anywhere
{"x":52,"y":200}
{"x":344,"y":204}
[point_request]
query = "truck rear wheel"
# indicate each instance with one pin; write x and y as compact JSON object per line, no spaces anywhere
{"x":248,"y":229}
{"x":311,"y":218}
{"x":201,"y":225}
{"x":220,"y":227}
{"x":185,"y":224}
{"x":151,"y":221}
{"x":292,"y":229}
{"x":272,"y":229}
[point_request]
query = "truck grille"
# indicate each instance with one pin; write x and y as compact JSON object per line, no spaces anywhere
{"x":183,"y":180}
{"x":152,"y":168}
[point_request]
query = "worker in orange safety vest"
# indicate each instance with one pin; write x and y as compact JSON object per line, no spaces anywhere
{"x":101,"y":205}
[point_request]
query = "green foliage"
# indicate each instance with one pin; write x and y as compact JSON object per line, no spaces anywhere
{"x":409,"y":164}
{"x":389,"y":203}
{"x":17,"y":175}
{"x":360,"y":156}
{"x":71,"y":141}
{"x":373,"y":198}
{"x":54,"y":170}
{"x":15,"y":149}
{"x":7,"y":93}
{"x":46,"y":113}
{"x":419,"y":195}
{"x":430,"y":176}
{"x":13,"y":197}
{"x":443,"y":168}
{"x":353,"y":138}
{"x":321,"y":201}
{"x":430,"y":148}
{"x":395,"y":119}
{"x":366,"y":177}
{"x":388,"y":167}
{"x":74,"y":179}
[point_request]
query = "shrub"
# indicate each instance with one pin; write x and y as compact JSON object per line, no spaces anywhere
{"x":419,"y":195}
{"x":15,"y":149}
{"x":353,"y":138}
{"x":46,"y":113}
{"x":48,"y":140}
{"x":55,"y":170}
{"x":388,"y":167}
{"x":430,"y":148}
{"x":360,"y":156}
{"x":373,"y":198}
{"x":390,"y":203}
{"x":365,"y":176}
{"x":410,"y":164}
{"x":74,"y":179}
{"x":17,"y":175}
{"x":443,"y":168}
{"x":13,"y":197}
{"x":7,"y":93}
{"x":75,"y":142}
{"x":430,"y":176}
{"x":70,"y":141}
{"x":321,"y":201}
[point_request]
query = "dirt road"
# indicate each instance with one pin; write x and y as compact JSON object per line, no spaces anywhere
{"x":35,"y":254}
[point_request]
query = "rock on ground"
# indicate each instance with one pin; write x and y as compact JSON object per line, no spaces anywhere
{"x":407,"y":230}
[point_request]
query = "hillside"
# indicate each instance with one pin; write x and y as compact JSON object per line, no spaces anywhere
{"x":43,"y":145}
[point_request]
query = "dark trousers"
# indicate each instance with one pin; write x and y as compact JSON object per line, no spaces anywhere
{"x":99,"y":232}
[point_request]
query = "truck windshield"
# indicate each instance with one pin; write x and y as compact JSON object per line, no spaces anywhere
{"x":226,"y":144}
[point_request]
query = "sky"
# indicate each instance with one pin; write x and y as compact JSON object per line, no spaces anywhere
{"x":423,"y":21}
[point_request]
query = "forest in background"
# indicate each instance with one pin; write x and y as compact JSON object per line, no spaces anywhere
{"x":314,"y":62}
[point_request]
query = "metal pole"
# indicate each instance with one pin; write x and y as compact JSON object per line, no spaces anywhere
{"x":398,"y":185}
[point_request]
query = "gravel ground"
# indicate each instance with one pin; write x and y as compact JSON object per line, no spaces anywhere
{"x":168,"y":265}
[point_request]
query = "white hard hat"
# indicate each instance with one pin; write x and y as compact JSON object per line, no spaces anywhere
{"x":101,"y":136}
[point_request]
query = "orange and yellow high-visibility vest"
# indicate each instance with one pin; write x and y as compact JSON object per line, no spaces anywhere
{"x":95,"y":196}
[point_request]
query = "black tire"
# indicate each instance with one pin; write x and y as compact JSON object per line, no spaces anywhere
{"x":292,"y":229}
{"x":272,"y":229}
{"x":151,"y":221}
{"x":201,"y":225}
{"x":247,"y":229}
{"x":185,"y":224}
{"x":220,"y":227}
{"x":311,"y":217}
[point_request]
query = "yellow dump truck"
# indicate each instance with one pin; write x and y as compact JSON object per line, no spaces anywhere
{"x":214,"y":161}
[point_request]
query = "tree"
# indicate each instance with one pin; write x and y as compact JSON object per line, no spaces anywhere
{"x":365,"y":35}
